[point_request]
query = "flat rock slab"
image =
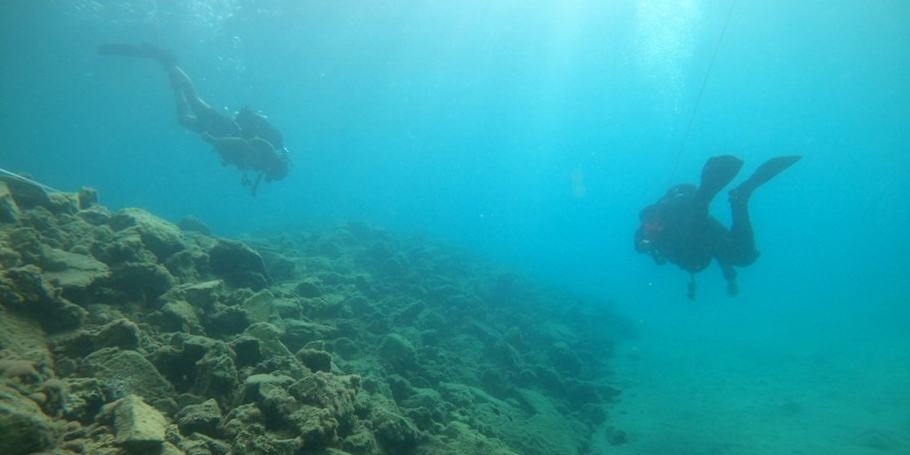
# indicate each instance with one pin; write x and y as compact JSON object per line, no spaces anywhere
{"x":71,"y":270}
{"x":128,"y":371}
{"x":139,"y":427}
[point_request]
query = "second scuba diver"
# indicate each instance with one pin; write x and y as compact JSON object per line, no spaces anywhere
{"x":246,"y":140}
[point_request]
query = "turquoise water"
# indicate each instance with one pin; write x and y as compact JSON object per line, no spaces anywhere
{"x":532,"y":133}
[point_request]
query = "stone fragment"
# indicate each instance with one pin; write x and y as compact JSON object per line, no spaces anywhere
{"x":127,"y":372}
{"x":202,"y":418}
{"x":159,"y":236}
{"x":316,"y":426}
{"x":310,"y":288}
{"x":71,"y":270}
{"x":247,"y":350}
{"x":260,"y":307}
{"x":87,"y":197}
{"x":227,"y":320}
{"x":269,"y":337}
{"x":180,"y":316}
{"x":139,"y":427}
{"x":142,"y":279}
{"x":315,"y":360}
{"x":83,"y":400}
{"x":238,"y":264}
{"x":25,"y":289}
{"x":398,"y":352}
{"x":119,"y":333}
{"x":95,"y":215}
{"x":192,"y":224}
{"x":299,"y":332}
{"x":202,"y":295}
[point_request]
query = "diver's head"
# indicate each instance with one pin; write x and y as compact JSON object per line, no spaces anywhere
{"x":649,"y":231}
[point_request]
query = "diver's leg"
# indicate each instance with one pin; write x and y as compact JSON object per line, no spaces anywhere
{"x":185,"y":115}
{"x":183,"y":84}
{"x":741,"y":246}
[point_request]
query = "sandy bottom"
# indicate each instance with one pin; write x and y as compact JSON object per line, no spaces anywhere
{"x":790,"y":384}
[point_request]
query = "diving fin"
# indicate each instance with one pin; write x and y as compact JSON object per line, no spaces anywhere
{"x":716,"y":174}
{"x":762,"y":175}
{"x":143,"y":50}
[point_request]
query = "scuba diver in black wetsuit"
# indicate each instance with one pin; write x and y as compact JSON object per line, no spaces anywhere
{"x":246,"y":141}
{"x":679,"y":229}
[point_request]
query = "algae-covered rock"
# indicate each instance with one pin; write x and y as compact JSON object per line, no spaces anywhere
{"x":193,"y":224}
{"x":25,"y":289}
{"x":71,"y":270}
{"x":199,"y":365}
{"x":203,"y":418}
{"x":141,"y":279}
{"x":203,"y":294}
{"x":120,"y":333}
{"x":227,"y":320}
{"x":180,"y":316}
{"x":299,"y":332}
{"x":139,"y":427}
{"x":269,"y":337}
{"x":260,"y":307}
{"x":394,"y":432}
{"x":459,"y":438}
{"x":128,"y":372}
{"x":310,"y":287}
{"x":83,"y":399}
{"x":9,"y":258}
{"x":315,"y":360}
{"x":238,"y":264}
{"x":336,"y":393}
{"x":159,"y":236}
{"x":95,"y":215}
{"x":398,"y":352}
{"x":9,"y":211}
{"x":317,"y":427}
{"x":24,"y":429}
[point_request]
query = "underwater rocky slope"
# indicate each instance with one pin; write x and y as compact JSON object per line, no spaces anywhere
{"x":123,"y":333}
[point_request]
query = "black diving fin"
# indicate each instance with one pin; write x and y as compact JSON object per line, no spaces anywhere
{"x":143,"y":50}
{"x":763,"y":174}
{"x":716,"y":174}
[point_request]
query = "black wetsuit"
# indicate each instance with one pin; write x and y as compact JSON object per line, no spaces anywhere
{"x":679,"y":229}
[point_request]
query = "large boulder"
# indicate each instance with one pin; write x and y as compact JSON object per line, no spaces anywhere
{"x":25,"y":289}
{"x":143,"y":280}
{"x":238,"y":264}
{"x":125,"y":372}
{"x":203,"y":418}
{"x":70,"y":270}
{"x":159,"y":236}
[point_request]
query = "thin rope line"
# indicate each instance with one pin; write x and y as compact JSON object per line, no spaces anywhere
{"x":701,"y":91}
{"x":28,"y":180}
